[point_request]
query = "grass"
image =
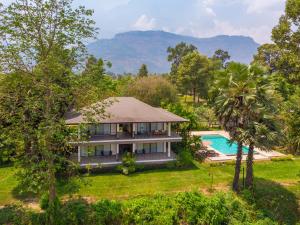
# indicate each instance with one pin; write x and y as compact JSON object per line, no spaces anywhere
{"x":117,"y":186}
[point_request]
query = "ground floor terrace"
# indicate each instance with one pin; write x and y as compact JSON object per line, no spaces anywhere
{"x":110,"y":154}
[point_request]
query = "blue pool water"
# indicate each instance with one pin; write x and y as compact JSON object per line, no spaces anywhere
{"x":222,"y":144}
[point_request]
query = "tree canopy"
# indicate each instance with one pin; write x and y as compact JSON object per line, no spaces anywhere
{"x":153,"y":90}
{"x":143,"y":71}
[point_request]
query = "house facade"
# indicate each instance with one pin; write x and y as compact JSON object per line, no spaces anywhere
{"x":129,"y":125}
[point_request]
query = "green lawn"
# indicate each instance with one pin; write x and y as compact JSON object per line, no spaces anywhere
{"x":117,"y":186}
{"x":276,"y":195}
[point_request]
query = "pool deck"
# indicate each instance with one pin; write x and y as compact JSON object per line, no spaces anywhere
{"x":261,"y":155}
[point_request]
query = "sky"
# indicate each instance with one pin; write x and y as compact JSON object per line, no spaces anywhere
{"x":198,"y":18}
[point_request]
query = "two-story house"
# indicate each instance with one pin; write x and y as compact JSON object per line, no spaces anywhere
{"x":129,"y":126}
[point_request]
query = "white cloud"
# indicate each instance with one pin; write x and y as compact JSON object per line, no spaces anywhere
{"x":210,"y":11}
{"x":260,"y":6}
{"x":145,"y":23}
{"x":261,"y":34}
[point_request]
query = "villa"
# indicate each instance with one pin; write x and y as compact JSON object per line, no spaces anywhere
{"x":129,"y":125}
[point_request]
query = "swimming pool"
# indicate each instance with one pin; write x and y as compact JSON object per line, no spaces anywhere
{"x":222,"y":144}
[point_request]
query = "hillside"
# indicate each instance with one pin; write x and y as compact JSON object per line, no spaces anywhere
{"x":127,"y":51}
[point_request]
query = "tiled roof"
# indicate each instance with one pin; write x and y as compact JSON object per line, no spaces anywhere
{"x":124,"y":110}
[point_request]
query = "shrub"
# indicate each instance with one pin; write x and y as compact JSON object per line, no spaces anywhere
{"x":158,"y":210}
{"x":14,"y":214}
{"x":184,"y":158}
{"x":128,"y":164}
{"x":44,"y":201}
{"x":76,"y":211}
{"x":107,"y":212}
{"x":183,"y":208}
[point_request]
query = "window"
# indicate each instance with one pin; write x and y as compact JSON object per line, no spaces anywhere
{"x":157,"y":126}
{"x":99,"y":150}
{"x":147,"y":148}
{"x":99,"y":129}
{"x":153,"y":147}
{"x":143,"y":128}
{"x":103,"y":150}
{"x":87,"y":151}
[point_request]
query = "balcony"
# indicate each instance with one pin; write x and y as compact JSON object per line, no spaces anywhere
{"x":117,"y":159}
{"x":122,"y":137}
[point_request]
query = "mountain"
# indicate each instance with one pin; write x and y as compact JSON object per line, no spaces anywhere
{"x":128,"y":51}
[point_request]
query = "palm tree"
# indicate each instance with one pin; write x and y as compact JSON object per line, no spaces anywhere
{"x":233,"y":89}
{"x":261,"y":128}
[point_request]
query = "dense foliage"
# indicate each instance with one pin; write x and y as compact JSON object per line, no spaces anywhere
{"x":153,"y":90}
{"x":184,"y":208}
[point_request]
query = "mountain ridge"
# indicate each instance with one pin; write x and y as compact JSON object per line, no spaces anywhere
{"x":128,"y":50}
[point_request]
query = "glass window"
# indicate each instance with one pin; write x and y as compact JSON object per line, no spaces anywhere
{"x":142,"y":128}
{"x":157,"y":126}
{"x":147,"y":148}
{"x":153,"y":147}
{"x":99,"y":150}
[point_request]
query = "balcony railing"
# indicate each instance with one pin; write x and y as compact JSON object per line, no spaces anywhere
{"x":122,"y":135}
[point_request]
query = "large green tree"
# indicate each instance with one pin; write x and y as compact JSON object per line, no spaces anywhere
{"x":93,"y":84}
{"x":153,"y":90}
{"x":246,"y":107}
{"x":175,"y":56}
{"x":41,"y":44}
{"x":282,"y":56}
{"x":229,"y":105}
{"x":194,"y":74}
{"x":222,"y":56}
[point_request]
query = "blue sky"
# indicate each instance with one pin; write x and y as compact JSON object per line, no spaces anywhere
{"x":199,"y":18}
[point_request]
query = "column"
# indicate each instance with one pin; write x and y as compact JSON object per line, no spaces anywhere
{"x":79,"y":153}
{"x":117,"y":150}
{"x":133,"y":148}
{"x":169,"y":149}
{"x":117,"y":130}
{"x":165,"y":147}
{"x":169,"y":129}
{"x":133,"y":129}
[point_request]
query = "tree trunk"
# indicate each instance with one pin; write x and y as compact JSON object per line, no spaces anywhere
{"x":52,"y":188}
{"x":194,"y":95}
{"x":249,"y":169}
{"x":235,"y":183}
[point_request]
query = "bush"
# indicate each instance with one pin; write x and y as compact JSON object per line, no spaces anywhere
{"x":183,"y":208}
{"x":184,"y":158}
{"x":44,"y":201}
{"x":14,"y":214}
{"x":282,"y":158}
{"x":107,"y":212}
{"x":128,"y":164}
{"x":158,"y":210}
{"x":76,"y":211}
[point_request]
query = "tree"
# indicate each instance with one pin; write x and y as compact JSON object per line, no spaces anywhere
{"x":261,"y":129}
{"x":175,"y":56}
{"x":286,"y":37}
{"x":245,"y":107}
{"x":143,"y":71}
{"x":194,"y":74}
{"x":291,"y":115}
{"x":41,"y":43}
{"x":93,"y":84}
{"x":268,"y":56}
{"x":153,"y":90}
{"x":229,"y":105}
{"x":222,"y":56}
